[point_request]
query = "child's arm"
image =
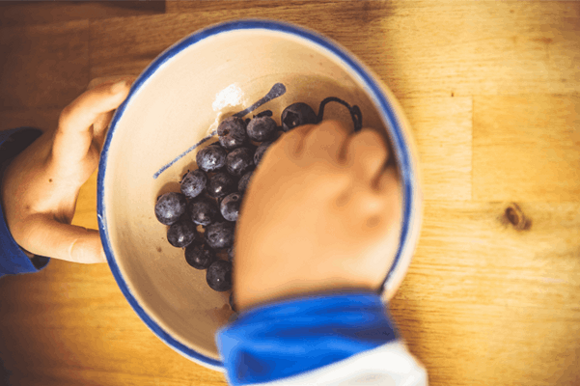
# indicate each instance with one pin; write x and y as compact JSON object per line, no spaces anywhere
{"x":40,"y":186}
{"x":321,"y":215}
{"x":317,"y":233}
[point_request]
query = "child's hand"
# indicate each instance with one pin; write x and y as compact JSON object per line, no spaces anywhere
{"x":40,"y":187}
{"x":320,"y":215}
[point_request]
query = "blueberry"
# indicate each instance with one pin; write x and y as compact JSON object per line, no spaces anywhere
{"x":199,"y":256}
{"x":243,"y":183}
{"x":193,"y":183}
{"x":182,"y":233}
{"x":221,"y":184}
{"x":262,"y":128}
{"x":260,"y":151}
{"x":265,"y":113}
{"x":219,"y":275}
{"x":231,"y":254}
{"x":232,"y":303}
{"x":169,"y":207}
{"x":239,"y":161}
{"x":230,"y":206}
{"x":297,"y":114}
{"x":211,"y":158}
{"x":232,"y":132}
{"x":220,"y":234}
{"x":203,"y":211}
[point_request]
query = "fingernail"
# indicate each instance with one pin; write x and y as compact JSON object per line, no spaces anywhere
{"x":119,"y":86}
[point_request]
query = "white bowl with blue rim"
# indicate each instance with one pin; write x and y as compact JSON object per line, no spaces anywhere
{"x":173,"y":110}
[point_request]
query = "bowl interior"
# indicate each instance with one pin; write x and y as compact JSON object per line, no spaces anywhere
{"x":175,"y":107}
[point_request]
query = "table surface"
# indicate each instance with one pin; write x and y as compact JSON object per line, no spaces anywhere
{"x":491,"y":90}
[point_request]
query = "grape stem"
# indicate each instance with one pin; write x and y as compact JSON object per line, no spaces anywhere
{"x":355,"y":112}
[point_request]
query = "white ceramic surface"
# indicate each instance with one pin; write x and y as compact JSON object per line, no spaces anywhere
{"x":176,"y":102}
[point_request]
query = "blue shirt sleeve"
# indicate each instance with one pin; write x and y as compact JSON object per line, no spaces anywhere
{"x":285,"y":339}
{"x":13,"y":260}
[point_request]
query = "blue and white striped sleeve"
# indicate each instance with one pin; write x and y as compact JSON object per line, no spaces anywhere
{"x":336,"y":339}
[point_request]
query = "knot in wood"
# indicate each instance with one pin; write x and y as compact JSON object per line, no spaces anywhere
{"x":515,"y":216}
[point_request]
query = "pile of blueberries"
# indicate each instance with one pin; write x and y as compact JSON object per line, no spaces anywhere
{"x":211,"y":196}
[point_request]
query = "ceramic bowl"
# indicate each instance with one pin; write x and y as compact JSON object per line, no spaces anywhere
{"x":173,"y":107}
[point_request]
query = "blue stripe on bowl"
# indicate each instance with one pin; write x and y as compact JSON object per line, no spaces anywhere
{"x":372,"y":87}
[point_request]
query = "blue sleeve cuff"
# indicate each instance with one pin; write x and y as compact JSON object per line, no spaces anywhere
{"x":290,"y":337}
{"x":12,"y":258}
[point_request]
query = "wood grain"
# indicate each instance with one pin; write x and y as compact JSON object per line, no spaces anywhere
{"x":48,"y":12}
{"x":74,"y":325}
{"x":433,"y":48}
{"x":86,"y":209}
{"x":442,"y":131}
{"x":487,"y":303}
{"x":491,"y":90}
{"x":43,"y":119}
{"x":44,"y":66}
{"x":526,"y":148}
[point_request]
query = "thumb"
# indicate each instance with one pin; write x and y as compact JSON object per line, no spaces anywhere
{"x":45,"y":236}
{"x":110,"y":80}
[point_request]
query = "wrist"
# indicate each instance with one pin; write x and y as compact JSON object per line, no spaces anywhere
{"x":250,"y":297}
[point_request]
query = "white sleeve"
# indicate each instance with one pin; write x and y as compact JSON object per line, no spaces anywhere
{"x":388,"y":365}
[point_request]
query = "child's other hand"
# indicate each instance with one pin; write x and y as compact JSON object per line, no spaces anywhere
{"x":321,"y":214}
{"x":41,"y":185}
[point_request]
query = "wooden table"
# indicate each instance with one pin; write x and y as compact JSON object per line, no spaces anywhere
{"x":492,"y":92}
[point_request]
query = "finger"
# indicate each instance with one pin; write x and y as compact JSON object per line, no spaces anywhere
{"x":360,"y":201}
{"x":388,"y":179}
{"x":45,"y":236}
{"x":389,"y":187}
{"x":100,"y":128}
{"x":383,"y":206}
{"x":292,"y":141}
{"x":328,"y":139}
{"x":74,"y":135}
{"x":110,"y":80}
{"x":104,"y":120}
{"x":366,"y":154}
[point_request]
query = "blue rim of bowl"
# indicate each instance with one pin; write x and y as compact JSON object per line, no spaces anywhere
{"x":374,"y":90}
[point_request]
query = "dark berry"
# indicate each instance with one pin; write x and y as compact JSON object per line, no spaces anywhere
{"x":265,"y":113}
{"x":232,"y":133}
{"x":262,"y":128}
{"x":211,"y":158}
{"x":230,"y":206}
{"x":221,"y":184}
{"x":231,"y":253}
{"x":239,"y":161}
{"x":220,"y":234}
{"x":193,"y":183}
{"x":219,"y":275}
{"x":232,"y":304}
{"x":182,"y":233}
{"x":169,"y":207}
{"x":260,"y":151}
{"x":297,"y":114}
{"x":243,"y":183}
{"x":199,"y":256}
{"x":203,"y":211}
